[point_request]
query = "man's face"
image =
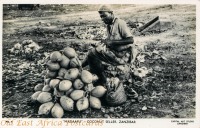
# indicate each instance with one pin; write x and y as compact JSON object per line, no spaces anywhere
{"x":106,"y":17}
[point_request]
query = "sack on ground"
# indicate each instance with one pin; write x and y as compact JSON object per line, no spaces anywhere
{"x":116,"y":97}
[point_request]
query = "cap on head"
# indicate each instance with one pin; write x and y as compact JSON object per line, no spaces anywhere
{"x":105,"y":8}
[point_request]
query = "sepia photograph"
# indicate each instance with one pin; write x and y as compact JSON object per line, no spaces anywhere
{"x":99,"y":61}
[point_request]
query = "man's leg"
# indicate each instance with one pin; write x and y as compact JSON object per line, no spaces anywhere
{"x":96,"y":66}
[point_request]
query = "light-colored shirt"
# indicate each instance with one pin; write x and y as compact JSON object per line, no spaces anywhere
{"x":118,"y":30}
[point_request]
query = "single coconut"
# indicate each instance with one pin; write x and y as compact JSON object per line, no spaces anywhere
{"x":71,"y":74}
{"x":82,"y":104}
{"x":86,"y":77}
{"x":57,"y":111}
{"x":45,"y":108}
{"x":54,"y":83}
{"x":64,"y":63}
{"x":44,"y":97}
{"x":51,"y":74}
{"x":77,"y":94}
{"x":46,"y":88}
{"x":78,"y":84}
{"x":38,"y":87}
{"x":94,"y":102}
{"x":61,"y":72}
{"x":35,"y":95}
{"x":94,"y":77}
{"x":69,"y":52}
{"x":98,"y":91}
{"x":53,"y":66}
{"x":67,"y":103}
{"x":55,"y":56}
{"x":65,"y":85}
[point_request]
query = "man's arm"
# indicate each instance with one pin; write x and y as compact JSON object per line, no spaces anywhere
{"x":125,"y":33}
{"x":128,"y":40}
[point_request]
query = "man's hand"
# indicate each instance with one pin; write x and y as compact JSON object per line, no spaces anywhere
{"x":101,"y":47}
{"x":107,"y":42}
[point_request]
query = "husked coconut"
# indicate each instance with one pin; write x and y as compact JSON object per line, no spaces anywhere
{"x":64,"y":63}
{"x":69,"y":52}
{"x":77,"y":94}
{"x":94,"y":102}
{"x":53,"y":66}
{"x":45,"y":108}
{"x":46,"y":88}
{"x":61,"y":72}
{"x":44,"y":97}
{"x":94,"y":77}
{"x":82,"y":104}
{"x":78,"y":84}
{"x":86,"y":77}
{"x":65,"y":85}
{"x":35,"y":95}
{"x":67,"y":103}
{"x":56,"y":56}
{"x":57,"y":111}
{"x":51,"y":74}
{"x":38,"y":87}
{"x":71,"y":74}
{"x":54,"y":83}
{"x":98,"y":91}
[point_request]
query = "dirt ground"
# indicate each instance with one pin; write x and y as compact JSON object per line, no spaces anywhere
{"x":169,"y":91}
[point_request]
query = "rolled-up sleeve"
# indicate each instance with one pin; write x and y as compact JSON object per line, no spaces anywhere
{"x":123,"y":29}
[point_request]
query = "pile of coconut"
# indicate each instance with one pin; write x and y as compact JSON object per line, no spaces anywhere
{"x":67,"y":87}
{"x":92,"y":33}
{"x":27,"y":47}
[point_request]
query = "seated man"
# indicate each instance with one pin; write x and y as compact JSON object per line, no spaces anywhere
{"x":115,"y":50}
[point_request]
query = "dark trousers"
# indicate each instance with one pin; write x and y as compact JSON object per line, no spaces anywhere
{"x":96,"y":66}
{"x":95,"y":58}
